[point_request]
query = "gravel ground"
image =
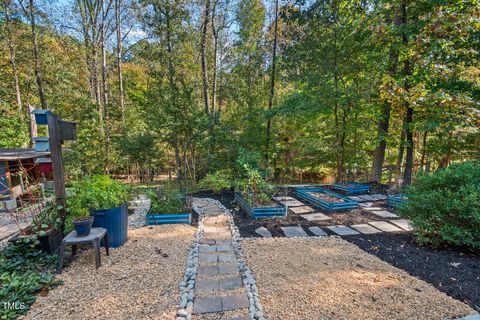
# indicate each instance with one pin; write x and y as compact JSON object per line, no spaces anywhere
{"x":329,"y":278}
{"x":137,"y":281}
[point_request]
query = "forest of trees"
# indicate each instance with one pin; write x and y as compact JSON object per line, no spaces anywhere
{"x":353,"y":90}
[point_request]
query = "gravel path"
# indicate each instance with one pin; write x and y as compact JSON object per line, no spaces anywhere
{"x":137,"y":281}
{"x":329,"y":278}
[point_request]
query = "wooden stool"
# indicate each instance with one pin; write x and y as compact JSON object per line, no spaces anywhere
{"x":95,"y":236}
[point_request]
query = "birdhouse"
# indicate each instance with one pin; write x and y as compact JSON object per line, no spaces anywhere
{"x":44,"y":165}
{"x":41,"y":144}
{"x":41,"y":115}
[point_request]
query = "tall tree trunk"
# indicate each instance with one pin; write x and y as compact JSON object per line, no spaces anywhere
{"x":401,"y":151}
{"x":105,"y":89}
{"x":215,"y":32}
{"x":203,"y":49}
{"x":384,"y":119}
{"x":118,"y":4}
{"x":272,"y":82}
{"x":424,"y":150}
{"x":13,"y":62}
{"x":407,"y":175}
{"x":29,"y":11}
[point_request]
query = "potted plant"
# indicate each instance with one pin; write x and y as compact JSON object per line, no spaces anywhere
{"x":106,"y":201}
{"x":46,"y":225}
{"x":168,"y":207}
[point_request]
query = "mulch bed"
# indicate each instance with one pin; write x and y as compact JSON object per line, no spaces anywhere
{"x":247,"y":225}
{"x":454,"y":272}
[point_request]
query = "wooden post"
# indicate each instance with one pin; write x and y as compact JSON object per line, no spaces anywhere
{"x":57,"y":165}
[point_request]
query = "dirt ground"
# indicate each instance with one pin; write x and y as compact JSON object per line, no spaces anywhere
{"x":330,"y":278}
{"x":137,"y":281}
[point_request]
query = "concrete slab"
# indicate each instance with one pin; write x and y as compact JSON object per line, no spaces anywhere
{"x":365,"y":228}
{"x":283,"y":198}
{"x":291,"y":203}
{"x":385,"y":214}
{"x":378,"y":196}
{"x":343,"y":230}
{"x":207,"y":270}
{"x":315,"y":217}
{"x":302,"y":209}
{"x":226,"y":258}
{"x":402,"y":223}
{"x":231,"y":283}
{"x":207,"y":305}
{"x":366,"y":204}
{"x":264,"y":232}
{"x":291,"y":232}
{"x":207,"y":285}
{"x":384,"y":226}
{"x":317,"y":231}
{"x":238,"y":301}
{"x":227,"y":268}
{"x":373,"y":208}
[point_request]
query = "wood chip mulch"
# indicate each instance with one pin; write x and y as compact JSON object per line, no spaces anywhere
{"x":139,"y":280}
{"x":330,"y":278}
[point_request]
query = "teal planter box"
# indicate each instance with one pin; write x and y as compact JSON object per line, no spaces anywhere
{"x":396,"y":201}
{"x":41,"y":116}
{"x":346,"y":204}
{"x":41,"y":144}
{"x":352,"y":187}
{"x":260,"y":213}
{"x":167,"y":218}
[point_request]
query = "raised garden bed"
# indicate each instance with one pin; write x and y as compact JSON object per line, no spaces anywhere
{"x":352,"y":187}
{"x":325,"y":199}
{"x":260,"y":212}
{"x":165,"y":218}
{"x":395,"y":201}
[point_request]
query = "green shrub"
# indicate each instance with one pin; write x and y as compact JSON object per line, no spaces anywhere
{"x":445,"y":206}
{"x":167,"y":199}
{"x":218,"y":181}
{"x":254,"y":188}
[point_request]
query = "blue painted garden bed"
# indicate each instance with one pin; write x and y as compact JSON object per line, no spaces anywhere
{"x":174,"y":218}
{"x":396,"y":201}
{"x":346,"y":204}
{"x":262,"y":212}
{"x":352,"y":187}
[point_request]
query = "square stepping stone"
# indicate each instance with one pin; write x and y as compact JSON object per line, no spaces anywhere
{"x":355,"y":198}
{"x":367,"y":197}
{"x":209,"y":258}
{"x":224,"y":247}
{"x":207,"y":241}
{"x":373,"y":209}
{"x":291,"y":203}
{"x":283,"y":198}
{"x":384,"y":226}
{"x":317,"y":231}
{"x":207,"y":305}
{"x":207,"y":285}
{"x":365,"y":228}
{"x":302,"y":209}
{"x":208,"y":270}
{"x":226,"y":258}
{"x":291,"y":232}
{"x":238,"y":301}
{"x":378,"y":196}
{"x":223,"y":241}
{"x":231,"y":283}
{"x":365,"y":204}
{"x":216,"y":229}
{"x":227,"y":268}
{"x":342,"y":230}
{"x":403,"y":223}
{"x":385,"y":214}
{"x":315,"y":217}
{"x":263,"y":232}
{"x":204,"y":249}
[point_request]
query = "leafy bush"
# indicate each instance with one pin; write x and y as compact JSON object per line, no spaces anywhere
{"x":254,"y":188}
{"x":218,"y":181}
{"x":24,"y":271}
{"x":47,"y":219}
{"x":167,"y":199}
{"x":94,"y":193}
{"x":445,"y":206}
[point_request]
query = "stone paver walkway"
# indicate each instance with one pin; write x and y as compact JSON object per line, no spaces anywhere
{"x":402,"y":223}
{"x":223,"y":286}
{"x":365,"y":228}
{"x":315,"y":216}
{"x":385,"y":214}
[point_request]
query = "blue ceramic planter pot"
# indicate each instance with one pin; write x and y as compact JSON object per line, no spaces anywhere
{"x":83,"y":226}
